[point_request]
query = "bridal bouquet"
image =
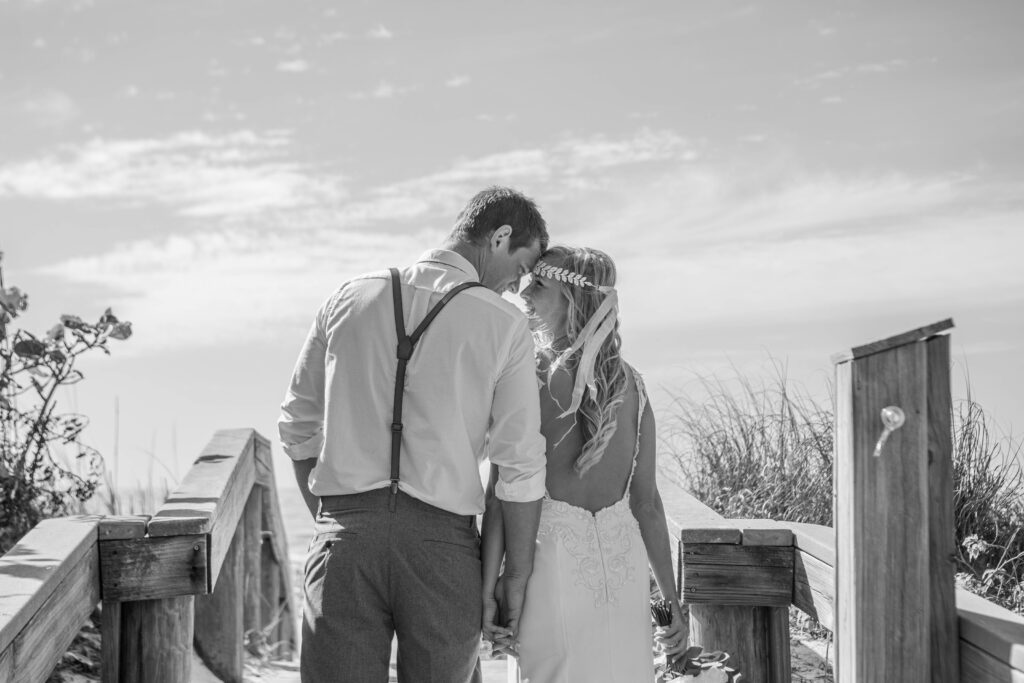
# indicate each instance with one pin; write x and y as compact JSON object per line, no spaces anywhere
{"x":694,"y":664}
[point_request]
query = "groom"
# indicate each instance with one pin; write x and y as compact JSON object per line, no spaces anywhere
{"x":389,"y":466}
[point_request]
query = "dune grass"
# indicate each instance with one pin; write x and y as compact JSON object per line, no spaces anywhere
{"x":763,"y":449}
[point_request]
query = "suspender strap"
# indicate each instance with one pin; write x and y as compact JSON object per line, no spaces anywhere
{"x":406,"y":345}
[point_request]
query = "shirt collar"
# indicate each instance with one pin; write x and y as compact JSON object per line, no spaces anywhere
{"x":450,"y":259}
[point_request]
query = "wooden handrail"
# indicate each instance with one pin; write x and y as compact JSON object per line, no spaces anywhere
{"x":991,"y":637}
{"x":148,"y":572}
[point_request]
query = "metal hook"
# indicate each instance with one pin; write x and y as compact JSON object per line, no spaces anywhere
{"x":892,"y":419}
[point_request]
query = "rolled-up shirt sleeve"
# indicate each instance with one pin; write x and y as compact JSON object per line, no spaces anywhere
{"x":301,"y":424}
{"x":515,"y":442}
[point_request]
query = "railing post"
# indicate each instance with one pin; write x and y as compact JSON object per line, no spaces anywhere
{"x":156,"y":640}
{"x":219,"y":616}
{"x":252,"y":520}
{"x":896,"y":618}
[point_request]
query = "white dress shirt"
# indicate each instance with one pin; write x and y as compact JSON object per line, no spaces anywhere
{"x":471,"y":386}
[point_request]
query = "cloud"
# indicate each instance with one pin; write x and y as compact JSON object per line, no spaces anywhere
{"x":293,"y":66}
{"x":196,"y":174}
{"x":50,"y":109}
{"x":868,"y":69}
{"x":384,"y":91}
{"x":457,"y":81}
{"x":832,"y":99}
{"x":380,"y":32}
{"x":720,"y":239}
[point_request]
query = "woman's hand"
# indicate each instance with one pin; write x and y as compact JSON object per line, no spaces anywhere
{"x":500,"y":637}
{"x":673,"y":639}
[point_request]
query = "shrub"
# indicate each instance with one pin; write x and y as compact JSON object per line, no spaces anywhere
{"x":765,"y":451}
{"x":36,"y":439}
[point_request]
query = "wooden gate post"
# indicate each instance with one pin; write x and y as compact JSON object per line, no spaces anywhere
{"x":895,"y":612}
{"x":153,"y":638}
{"x":219,"y":616}
{"x":252,"y":521}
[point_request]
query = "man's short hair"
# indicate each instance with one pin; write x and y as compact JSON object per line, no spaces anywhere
{"x":494,"y":207}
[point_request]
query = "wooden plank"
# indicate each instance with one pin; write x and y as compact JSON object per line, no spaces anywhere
{"x":989,"y":627}
{"x":213,"y":492}
{"x":740,"y":630}
{"x":110,"y":652}
{"x":252,"y":546}
{"x":32,"y":569}
{"x":844,"y":469}
{"x":978,"y":666}
{"x":945,"y":655}
{"x":121,"y":527}
{"x":270,"y":597}
{"x":156,"y":640}
{"x":692,"y":521}
{"x":722,"y":574}
{"x":883,"y":570}
{"x":151,"y":568}
{"x":814,"y":588}
{"x":780,"y":667}
{"x":39,"y":646}
{"x":919,"y":334}
{"x":816,"y":540}
{"x":7,"y":664}
{"x":764,"y":532}
{"x":274,"y":523}
{"x":219,"y":617}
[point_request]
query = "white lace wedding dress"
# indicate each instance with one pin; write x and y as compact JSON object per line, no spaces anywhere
{"x":587,"y":612}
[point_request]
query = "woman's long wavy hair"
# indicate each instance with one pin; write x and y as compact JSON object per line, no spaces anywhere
{"x":597,"y":415}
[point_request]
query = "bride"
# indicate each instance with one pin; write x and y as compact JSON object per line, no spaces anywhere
{"x":586,"y":616}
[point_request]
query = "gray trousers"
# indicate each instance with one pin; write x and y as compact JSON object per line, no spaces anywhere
{"x":381,"y":565}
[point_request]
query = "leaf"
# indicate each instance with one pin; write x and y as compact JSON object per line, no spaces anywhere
{"x":4,"y":403}
{"x":121,"y":331}
{"x":55,"y":333}
{"x":57,"y":356}
{"x":30,"y":348}
{"x":108,"y":318}
{"x":73,"y":322}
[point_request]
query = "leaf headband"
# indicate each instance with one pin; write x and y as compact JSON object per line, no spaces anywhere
{"x":591,"y":337}
{"x":567,"y":276}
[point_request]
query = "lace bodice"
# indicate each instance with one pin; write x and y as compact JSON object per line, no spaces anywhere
{"x":602,"y":542}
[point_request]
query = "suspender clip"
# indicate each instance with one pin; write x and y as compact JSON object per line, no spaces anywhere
{"x":396,"y":427}
{"x":405,"y":347}
{"x":394,"y":487}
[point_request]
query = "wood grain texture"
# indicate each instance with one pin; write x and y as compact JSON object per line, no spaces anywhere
{"x":43,"y":640}
{"x":120,"y":527}
{"x":987,"y":626}
{"x":252,"y":554}
{"x":692,"y":521}
{"x":978,"y":666}
{"x":32,"y":570}
{"x":884,"y":564}
{"x":816,"y":540}
{"x":945,"y":655}
{"x":212,"y":495}
{"x":780,"y":666}
{"x":219,"y":617}
{"x":814,"y":588}
{"x":764,"y":532}
{"x":151,"y":568}
{"x":902,"y":339}
{"x":271,"y":607}
{"x":844,"y":470}
{"x":273,"y":522}
{"x":722,"y":574}
{"x":156,"y":640}
{"x":742,"y":631}
{"x":110,"y":651}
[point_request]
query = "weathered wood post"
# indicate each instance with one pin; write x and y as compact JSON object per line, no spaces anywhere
{"x":896,"y":617}
{"x":219,"y":616}
{"x":252,"y":519}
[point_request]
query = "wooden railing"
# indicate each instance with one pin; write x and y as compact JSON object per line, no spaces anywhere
{"x":208,"y":570}
{"x":883,"y":579}
{"x":740,"y":576}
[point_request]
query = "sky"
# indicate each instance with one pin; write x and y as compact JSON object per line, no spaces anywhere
{"x":776,"y":181}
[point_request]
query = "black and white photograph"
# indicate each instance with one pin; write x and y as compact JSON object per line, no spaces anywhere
{"x":539,"y":342}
